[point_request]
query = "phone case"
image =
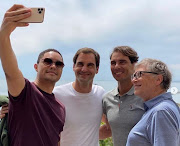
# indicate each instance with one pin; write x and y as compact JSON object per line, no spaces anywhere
{"x":37,"y":16}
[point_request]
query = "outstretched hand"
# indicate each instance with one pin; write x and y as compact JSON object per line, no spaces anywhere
{"x":12,"y":16}
{"x":3,"y":111}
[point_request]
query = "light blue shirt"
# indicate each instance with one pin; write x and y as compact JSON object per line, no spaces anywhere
{"x":159,"y":126}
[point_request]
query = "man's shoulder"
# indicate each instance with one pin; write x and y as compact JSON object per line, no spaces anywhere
{"x":166,"y":105}
{"x":110,"y":94}
{"x":30,"y":84}
{"x":63,"y":91}
{"x":63,"y":86}
{"x":98,"y":88}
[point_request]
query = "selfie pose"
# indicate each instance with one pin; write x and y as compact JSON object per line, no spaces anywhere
{"x":35,"y":117}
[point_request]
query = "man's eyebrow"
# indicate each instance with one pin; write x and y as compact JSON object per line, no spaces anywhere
{"x":122,"y":60}
{"x":79,"y":62}
{"x":91,"y":63}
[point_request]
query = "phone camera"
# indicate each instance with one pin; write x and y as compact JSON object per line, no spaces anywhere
{"x":40,"y":10}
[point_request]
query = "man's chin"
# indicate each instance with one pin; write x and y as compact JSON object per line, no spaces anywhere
{"x":52,"y":79}
{"x":136,"y":92}
{"x":84,"y":80}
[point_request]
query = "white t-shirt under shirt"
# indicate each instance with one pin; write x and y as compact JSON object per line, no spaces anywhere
{"x":83,"y":115}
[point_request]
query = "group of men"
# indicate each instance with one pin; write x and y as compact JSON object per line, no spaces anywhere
{"x":70,"y":114}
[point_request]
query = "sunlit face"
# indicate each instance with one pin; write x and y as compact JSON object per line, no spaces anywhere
{"x":50,"y":73}
{"x":145,"y":85}
{"x":121,"y":67}
{"x":85,"y":68}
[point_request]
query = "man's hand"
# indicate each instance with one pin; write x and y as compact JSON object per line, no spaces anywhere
{"x":3,"y":111}
{"x":12,"y":16}
{"x":104,"y":130}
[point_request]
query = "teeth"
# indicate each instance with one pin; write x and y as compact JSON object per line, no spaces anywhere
{"x":118,"y":73}
{"x":83,"y":74}
{"x":52,"y":72}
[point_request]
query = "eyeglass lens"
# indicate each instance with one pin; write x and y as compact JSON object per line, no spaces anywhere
{"x":48,"y":61}
{"x":136,"y":75}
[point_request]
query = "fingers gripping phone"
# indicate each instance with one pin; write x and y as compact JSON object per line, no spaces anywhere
{"x":37,"y":16}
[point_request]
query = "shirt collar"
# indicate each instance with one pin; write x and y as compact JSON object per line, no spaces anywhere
{"x":150,"y":103}
{"x":116,"y":92}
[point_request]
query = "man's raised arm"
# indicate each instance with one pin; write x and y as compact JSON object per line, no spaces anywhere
{"x":14,"y":77}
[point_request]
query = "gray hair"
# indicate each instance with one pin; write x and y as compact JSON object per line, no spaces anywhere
{"x":158,"y":67}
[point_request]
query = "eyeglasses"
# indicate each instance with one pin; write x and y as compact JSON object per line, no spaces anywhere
{"x":138,"y":74}
{"x":49,"y":62}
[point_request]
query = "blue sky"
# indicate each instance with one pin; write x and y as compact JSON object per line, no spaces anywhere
{"x":151,"y":27}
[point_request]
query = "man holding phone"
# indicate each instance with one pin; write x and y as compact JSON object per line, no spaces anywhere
{"x":35,"y":118}
{"x":37,"y":16}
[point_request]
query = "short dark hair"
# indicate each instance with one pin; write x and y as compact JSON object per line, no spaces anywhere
{"x":87,"y":51}
{"x":45,"y":51}
{"x":127,"y":51}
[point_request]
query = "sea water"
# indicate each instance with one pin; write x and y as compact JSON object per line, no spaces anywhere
{"x":176,"y":95}
{"x":109,"y":85}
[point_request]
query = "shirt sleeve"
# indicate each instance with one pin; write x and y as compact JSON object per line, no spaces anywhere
{"x":104,"y":106}
{"x":163,"y":129}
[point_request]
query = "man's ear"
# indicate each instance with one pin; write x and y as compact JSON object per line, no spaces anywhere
{"x":36,"y":67}
{"x":159,"y":79}
{"x":133,"y":65}
{"x":97,"y":69}
{"x":73,"y":66}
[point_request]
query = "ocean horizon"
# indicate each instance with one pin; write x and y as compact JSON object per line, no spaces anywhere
{"x":109,"y":85}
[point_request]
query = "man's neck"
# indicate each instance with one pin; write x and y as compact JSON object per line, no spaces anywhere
{"x":124,"y":87}
{"x":82,"y":87}
{"x":158,"y":91}
{"x":45,"y":86}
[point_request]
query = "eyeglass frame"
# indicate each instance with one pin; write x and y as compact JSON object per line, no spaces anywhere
{"x":53,"y":62}
{"x":140,"y":74}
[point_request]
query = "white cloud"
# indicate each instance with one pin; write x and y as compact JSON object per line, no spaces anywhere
{"x":152,"y":27}
{"x":73,"y":20}
{"x":68,"y":21}
{"x":77,"y":23}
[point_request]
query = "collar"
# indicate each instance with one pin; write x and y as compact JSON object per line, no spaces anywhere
{"x":116,"y":92}
{"x":150,"y":103}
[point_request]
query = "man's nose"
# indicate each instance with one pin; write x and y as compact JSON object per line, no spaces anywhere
{"x":117,"y":65}
{"x":84,"y":68}
{"x":53,"y":65}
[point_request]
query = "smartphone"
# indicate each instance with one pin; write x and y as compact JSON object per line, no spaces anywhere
{"x":37,"y":16}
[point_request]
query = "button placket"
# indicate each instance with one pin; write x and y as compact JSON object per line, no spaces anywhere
{"x":120,"y":102}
